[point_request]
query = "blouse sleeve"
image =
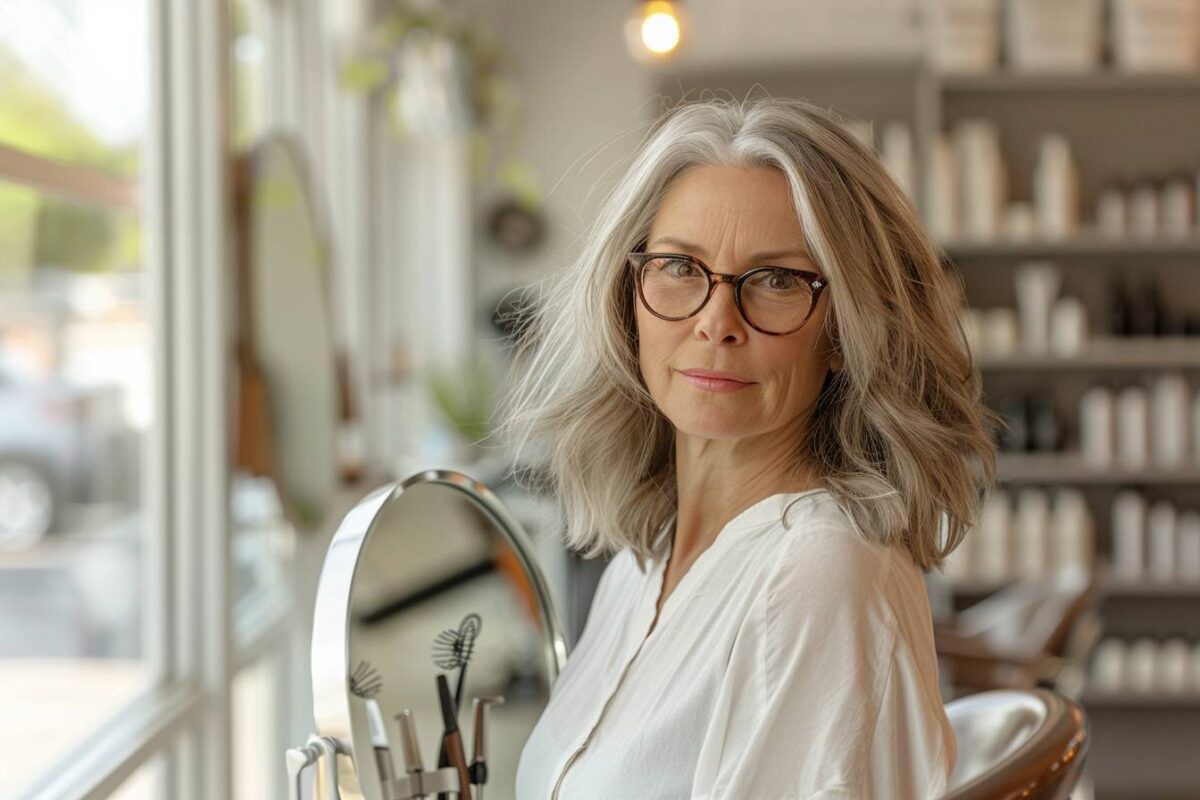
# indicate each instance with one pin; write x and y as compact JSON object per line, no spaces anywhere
{"x":822,"y":698}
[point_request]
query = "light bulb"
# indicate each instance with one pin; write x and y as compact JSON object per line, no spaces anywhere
{"x":654,"y":29}
{"x":660,"y":32}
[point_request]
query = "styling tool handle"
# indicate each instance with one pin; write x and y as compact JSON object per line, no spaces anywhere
{"x":479,"y":773}
{"x":409,"y":742}
{"x":479,"y":737}
{"x":452,"y":739}
{"x":379,"y":741}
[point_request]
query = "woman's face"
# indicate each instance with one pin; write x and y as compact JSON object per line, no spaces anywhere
{"x":732,"y":219}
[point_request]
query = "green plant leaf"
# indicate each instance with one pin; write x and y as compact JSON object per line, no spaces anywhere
{"x":363,"y":74}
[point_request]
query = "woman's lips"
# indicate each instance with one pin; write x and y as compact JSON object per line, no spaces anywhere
{"x":709,"y":383}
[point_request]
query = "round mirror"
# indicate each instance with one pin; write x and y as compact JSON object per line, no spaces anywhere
{"x":421,"y":576}
{"x":288,"y":329}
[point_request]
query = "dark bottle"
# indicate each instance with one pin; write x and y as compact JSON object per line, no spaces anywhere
{"x":1173,"y":323}
{"x":1045,"y":432}
{"x":1147,"y":313}
{"x":1014,"y":438}
{"x":1191,"y":324}
{"x":1119,"y":311}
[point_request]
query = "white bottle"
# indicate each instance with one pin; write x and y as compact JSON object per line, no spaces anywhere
{"x":1144,"y":212}
{"x":1109,"y":665}
{"x":943,"y":197}
{"x":993,"y":548}
{"x":897,"y":155}
{"x":1178,"y":208}
{"x":1020,"y":223}
{"x":973,"y":328}
{"x":1196,"y":667}
{"x":1133,"y":433}
{"x":1068,"y":327}
{"x":1033,"y":534}
{"x":1141,"y":666}
{"x":1097,"y":425}
{"x":1037,"y":284}
{"x":1195,"y":426}
{"x":1112,"y":212}
{"x":1173,"y":665}
{"x":982,"y":183}
{"x":1188,"y":532}
{"x":1056,"y":188}
{"x":1002,"y":332}
{"x":959,"y":565}
{"x":1160,"y":535}
{"x":1129,"y":535}
{"x":1074,"y":534}
{"x":1170,"y":398}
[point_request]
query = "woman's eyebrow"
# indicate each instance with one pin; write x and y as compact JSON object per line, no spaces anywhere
{"x":762,"y":256}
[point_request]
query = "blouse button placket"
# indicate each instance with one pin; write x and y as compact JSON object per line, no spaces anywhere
{"x":596,"y":724}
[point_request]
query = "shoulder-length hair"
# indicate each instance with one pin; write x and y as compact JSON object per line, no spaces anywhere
{"x":899,"y":435}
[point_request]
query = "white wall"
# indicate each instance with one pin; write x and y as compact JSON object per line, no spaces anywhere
{"x":588,"y":102}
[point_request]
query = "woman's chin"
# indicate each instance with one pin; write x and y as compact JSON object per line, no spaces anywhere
{"x":726,"y":425}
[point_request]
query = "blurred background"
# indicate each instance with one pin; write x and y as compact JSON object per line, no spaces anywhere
{"x":254,"y":257}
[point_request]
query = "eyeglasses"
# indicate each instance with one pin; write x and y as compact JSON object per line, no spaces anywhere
{"x":773,"y":300}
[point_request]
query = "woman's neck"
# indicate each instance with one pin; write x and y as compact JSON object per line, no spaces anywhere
{"x":710,"y":493}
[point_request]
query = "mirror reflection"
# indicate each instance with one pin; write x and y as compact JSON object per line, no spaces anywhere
{"x":440,"y":587}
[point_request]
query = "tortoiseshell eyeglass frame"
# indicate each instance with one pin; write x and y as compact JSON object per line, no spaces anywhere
{"x":637,"y":261}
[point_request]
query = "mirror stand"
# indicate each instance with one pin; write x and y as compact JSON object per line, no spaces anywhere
{"x":409,"y":553}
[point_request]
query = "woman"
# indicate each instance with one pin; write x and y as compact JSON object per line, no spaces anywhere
{"x":753,"y":388}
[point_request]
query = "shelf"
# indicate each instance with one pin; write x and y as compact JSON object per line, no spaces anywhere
{"x":1069,"y":468}
{"x":1107,"y":80}
{"x":1109,"y":588}
{"x":1149,"y":589}
{"x":1095,"y":698}
{"x":1084,"y":246}
{"x":1141,"y":353}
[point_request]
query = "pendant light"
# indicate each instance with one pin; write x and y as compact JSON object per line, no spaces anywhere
{"x":654,"y":29}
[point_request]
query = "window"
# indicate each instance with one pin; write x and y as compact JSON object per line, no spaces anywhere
{"x":76,"y":396}
{"x":146,"y":620}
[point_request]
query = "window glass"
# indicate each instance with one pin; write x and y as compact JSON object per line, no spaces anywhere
{"x":256,"y":753}
{"x":75,"y":384}
{"x":144,"y":784}
{"x":74,"y":78}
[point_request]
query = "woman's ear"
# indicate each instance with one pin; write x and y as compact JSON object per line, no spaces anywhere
{"x":836,"y":362}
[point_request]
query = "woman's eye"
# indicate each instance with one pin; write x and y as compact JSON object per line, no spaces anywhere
{"x":778,"y":280}
{"x":680,"y":268}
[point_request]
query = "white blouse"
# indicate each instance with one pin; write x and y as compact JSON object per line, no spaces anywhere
{"x":787,"y":664}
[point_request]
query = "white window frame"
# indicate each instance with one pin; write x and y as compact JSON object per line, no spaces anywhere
{"x":197,"y":641}
{"x":183,"y":199}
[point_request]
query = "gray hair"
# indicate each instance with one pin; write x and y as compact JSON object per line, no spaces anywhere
{"x":899,"y":435}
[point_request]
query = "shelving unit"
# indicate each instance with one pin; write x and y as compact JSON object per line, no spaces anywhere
{"x":1120,"y":126}
{"x":1084,"y":246}
{"x":1145,"y":701}
{"x":1108,"y":354}
{"x":1107,"y":81}
{"x":1109,"y":586}
{"x":1066,"y":468}
{"x":1137,"y":737}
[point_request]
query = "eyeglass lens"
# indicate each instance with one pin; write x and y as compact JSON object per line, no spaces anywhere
{"x":773,"y":299}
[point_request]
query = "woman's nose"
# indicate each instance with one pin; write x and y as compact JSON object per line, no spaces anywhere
{"x":720,"y":320}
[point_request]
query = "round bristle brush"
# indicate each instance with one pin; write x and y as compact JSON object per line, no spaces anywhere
{"x":453,"y":648}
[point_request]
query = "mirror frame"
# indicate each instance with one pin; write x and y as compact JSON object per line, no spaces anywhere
{"x":334,"y":715}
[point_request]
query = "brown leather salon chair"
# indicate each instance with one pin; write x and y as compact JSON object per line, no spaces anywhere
{"x":1031,"y":633}
{"x":1017,"y":744}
